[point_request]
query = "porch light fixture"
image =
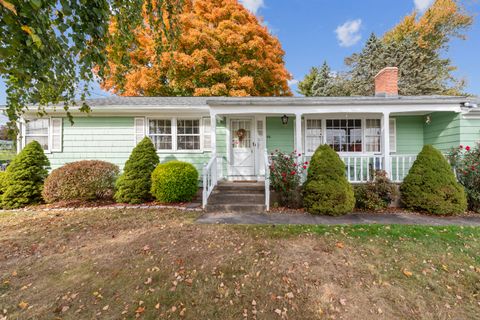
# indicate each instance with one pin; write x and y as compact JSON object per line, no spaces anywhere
{"x":428,"y":119}
{"x":285,"y":119}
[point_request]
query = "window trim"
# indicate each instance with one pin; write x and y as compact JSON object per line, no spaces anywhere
{"x":49,"y":135}
{"x":174,"y":133}
{"x":199,"y":134}
{"x":324,"y":119}
{"x":173,"y":128}
{"x":364,"y":131}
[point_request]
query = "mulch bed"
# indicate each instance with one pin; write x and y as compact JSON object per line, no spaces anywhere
{"x":73,"y":205}
{"x":284,"y":210}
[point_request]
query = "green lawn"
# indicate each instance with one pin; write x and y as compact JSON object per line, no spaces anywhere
{"x":114,"y":264}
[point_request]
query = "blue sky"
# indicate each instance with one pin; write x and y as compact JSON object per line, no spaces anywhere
{"x":306,"y":29}
{"x":312,"y":31}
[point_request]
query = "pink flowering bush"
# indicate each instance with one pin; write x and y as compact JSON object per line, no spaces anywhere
{"x":286,"y":171}
{"x":466,"y":161}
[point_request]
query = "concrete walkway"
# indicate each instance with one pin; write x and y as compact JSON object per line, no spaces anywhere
{"x":350,"y":219}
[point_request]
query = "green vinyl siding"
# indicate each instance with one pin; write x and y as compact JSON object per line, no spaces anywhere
{"x":95,"y":138}
{"x":112,"y":139}
{"x":280,"y":136}
{"x":409,"y":134}
{"x":443,"y":131}
{"x":469,"y":132}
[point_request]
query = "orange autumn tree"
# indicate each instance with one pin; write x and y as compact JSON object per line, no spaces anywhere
{"x":443,"y":20}
{"x":220,"y":49}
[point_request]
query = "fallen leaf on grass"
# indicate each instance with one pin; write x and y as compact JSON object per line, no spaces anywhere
{"x":23,"y":305}
{"x":407,"y":273}
{"x":340,"y":245}
{"x":140,"y":310}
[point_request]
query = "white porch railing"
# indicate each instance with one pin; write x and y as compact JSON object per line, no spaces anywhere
{"x":267,"y":180}
{"x":400,"y":165}
{"x":361,"y":168}
{"x":209,"y":179}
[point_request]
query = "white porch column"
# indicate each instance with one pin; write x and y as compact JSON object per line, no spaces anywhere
{"x":298,"y":133}
{"x":386,"y":143}
{"x":213,"y":133}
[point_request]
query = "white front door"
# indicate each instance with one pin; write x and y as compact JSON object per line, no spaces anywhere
{"x":242,"y":146}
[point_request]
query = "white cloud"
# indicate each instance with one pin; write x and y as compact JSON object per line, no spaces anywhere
{"x":348,"y":34}
{"x":252,"y":5}
{"x":422,"y":5}
{"x":292,"y":82}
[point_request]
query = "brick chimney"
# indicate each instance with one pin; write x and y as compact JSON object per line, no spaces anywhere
{"x":386,"y":82}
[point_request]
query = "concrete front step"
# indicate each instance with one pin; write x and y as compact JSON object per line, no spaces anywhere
{"x":237,"y":198}
{"x":236,"y":208}
{"x":240,"y":187}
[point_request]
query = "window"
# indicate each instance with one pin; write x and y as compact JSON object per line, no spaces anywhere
{"x":313,"y":134}
{"x":38,"y":130}
{"x":180,"y":134}
{"x":393,"y":135}
{"x":373,"y":134}
{"x":188,"y":134}
{"x":160,"y":132}
{"x":344,"y":135}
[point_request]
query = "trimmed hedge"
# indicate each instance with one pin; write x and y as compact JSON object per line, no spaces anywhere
{"x":174,"y":181}
{"x":327,"y":190}
{"x":85,"y":180}
{"x":135,"y":183}
{"x":25,"y":177}
{"x":431,"y":185}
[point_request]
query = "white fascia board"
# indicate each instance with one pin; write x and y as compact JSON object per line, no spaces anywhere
{"x":395,"y":108}
{"x":125,"y":110}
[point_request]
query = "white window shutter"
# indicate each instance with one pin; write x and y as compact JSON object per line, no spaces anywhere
{"x":57,"y":134}
{"x":139,"y":129}
{"x":393,"y":135}
{"x":207,"y":134}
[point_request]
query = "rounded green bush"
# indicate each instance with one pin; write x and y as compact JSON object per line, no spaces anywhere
{"x":3,"y":179}
{"x":431,"y":186}
{"x":86,"y":180}
{"x":25,"y":176}
{"x":327,"y":190}
{"x":174,"y":181}
{"x":135,"y":183}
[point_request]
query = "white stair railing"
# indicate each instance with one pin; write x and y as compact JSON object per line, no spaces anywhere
{"x":267,"y":180}
{"x":209,"y":179}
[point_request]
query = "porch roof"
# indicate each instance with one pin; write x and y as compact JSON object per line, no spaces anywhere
{"x":273,"y":105}
{"x":355,"y":100}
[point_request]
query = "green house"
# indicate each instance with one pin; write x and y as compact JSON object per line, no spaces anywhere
{"x":231,"y":138}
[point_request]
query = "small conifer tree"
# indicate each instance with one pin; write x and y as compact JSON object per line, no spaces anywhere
{"x":431,"y":185}
{"x":25,"y":177}
{"x":327,"y":190}
{"x":135,"y":183}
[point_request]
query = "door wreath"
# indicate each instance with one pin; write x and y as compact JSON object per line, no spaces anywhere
{"x":241,"y":133}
